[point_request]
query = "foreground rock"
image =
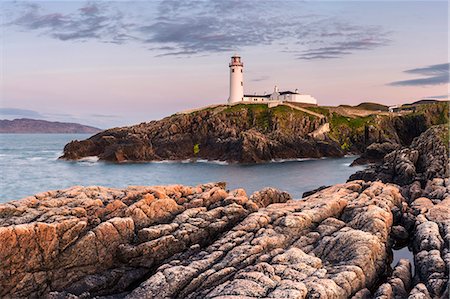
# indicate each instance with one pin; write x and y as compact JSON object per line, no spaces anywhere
{"x":431,"y":243}
{"x":422,"y":172}
{"x":200,"y":242}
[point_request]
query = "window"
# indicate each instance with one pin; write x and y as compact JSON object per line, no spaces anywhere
{"x":241,"y":70}
{"x":242,"y":83}
{"x":232,"y":70}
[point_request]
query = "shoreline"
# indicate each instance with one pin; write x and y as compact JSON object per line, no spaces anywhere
{"x":206,"y":241}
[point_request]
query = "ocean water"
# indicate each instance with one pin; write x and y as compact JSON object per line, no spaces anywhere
{"x":29,"y":164}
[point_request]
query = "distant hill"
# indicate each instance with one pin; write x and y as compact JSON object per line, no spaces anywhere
{"x":422,"y":102}
{"x":26,"y":125}
{"x":372,"y":106}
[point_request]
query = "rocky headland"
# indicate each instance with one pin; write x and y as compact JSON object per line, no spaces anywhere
{"x":250,"y":133}
{"x":35,"y":126}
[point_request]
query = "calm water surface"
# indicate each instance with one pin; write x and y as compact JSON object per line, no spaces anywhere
{"x":29,"y":165}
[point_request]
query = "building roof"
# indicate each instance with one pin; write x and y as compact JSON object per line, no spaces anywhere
{"x":288,"y":92}
{"x":268,"y":95}
{"x":257,"y":96}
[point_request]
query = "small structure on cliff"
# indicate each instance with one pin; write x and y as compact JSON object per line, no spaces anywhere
{"x":237,"y":89}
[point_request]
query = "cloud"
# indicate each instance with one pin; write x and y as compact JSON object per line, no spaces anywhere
{"x":92,"y":21}
{"x":439,"y":97}
{"x":436,"y":74}
{"x":19,"y":113}
{"x":339,"y":49}
{"x":198,"y":27}
{"x":261,"y":78}
{"x":104,"y":116}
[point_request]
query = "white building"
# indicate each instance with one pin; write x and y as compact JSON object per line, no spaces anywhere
{"x":236,"y":80}
{"x":237,"y":89}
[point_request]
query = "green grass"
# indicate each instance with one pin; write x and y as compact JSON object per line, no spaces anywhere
{"x":253,"y":107}
{"x":320,"y":110}
{"x":338,"y":120}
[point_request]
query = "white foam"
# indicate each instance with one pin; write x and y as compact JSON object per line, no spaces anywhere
{"x":36,"y":158}
{"x":193,"y":161}
{"x":291,"y":160}
{"x":218,"y":162}
{"x":89,"y":159}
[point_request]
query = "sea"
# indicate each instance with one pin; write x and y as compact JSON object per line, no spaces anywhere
{"x":29,"y":165}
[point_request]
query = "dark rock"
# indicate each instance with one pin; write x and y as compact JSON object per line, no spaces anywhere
{"x":424,"y":160}
{"x":399,"y":233}
{"x":308,"y":193}
{"x":375,"y":153}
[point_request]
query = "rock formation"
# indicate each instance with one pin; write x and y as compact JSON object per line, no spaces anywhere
{"x":198,"y":242}
{"x":254,"y":133}
{"x":425,"y":159}
{"x":421,"y":170}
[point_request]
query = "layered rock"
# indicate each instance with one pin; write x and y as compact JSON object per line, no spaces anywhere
{"x":102,"y":240}
{"x":422,"y":172}
{"x":254,"y":133}
{"x":197,"y":242}
{"x":375,"y":153}
{"x":431,"y":242}
{"x":425,"y":159}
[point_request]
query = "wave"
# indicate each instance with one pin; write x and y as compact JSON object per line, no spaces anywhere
{"x":192,"y":161}
{"x":89,"y":159}
{"x":291,"y":160}
{"x":36,"y":158}
{"x":218,"y":162}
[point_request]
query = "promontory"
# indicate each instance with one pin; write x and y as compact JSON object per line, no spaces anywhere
{"x":250,"y":133}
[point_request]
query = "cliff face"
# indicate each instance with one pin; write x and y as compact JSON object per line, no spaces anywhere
{"x":250,"y":133}
{"x":244,"y":133}
{"x":25,"y":125}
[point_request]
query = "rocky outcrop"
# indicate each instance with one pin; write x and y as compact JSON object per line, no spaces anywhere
{"x":252,"y":133}
{"x":398,"y":284}
{"x":375,"y":153}
{"x":425,"y":159}
{"x":422,"y":172}
{"x":431,"y":242}
{"x":197,"y":242}
{"x":103,"y":240}
{"x":242,"y":133}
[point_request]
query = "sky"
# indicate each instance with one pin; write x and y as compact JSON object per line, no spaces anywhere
{"x":114,"y":63}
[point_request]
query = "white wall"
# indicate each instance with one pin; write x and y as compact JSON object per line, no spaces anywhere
{"x":255,"y":99}
{"x":301,"y":98}
{"x":236,"y":81}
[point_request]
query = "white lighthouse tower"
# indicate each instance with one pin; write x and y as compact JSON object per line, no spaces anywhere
{"x":236,"y":80}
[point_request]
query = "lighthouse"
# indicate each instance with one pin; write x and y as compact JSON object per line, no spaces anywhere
{"x":236,"y":80}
